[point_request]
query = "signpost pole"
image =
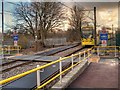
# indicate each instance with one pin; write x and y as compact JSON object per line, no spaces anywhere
{"x":95,"y":36}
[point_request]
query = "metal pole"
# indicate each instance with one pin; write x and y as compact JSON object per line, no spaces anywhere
{"x":2,"y":27}
{"x":72,"y":61}
{"x":18,"y":49}
{"x":38,"y":77}
{"x":111,"y":36}
{"x":84,"y":54}
{"x":95,"y":36}
{"x":88,"y":55}
{"x":112,"y":31}
{"x":88,"y":52}
{"x":9,"y":49}
{"x":79,"y":56}
{"x":115,"y":52}
{"x":98,"y":53}
{"x":60,"y":67}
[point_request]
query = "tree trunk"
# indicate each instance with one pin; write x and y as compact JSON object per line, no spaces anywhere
{"x":80,"y":29}
{"x":42,"y":38}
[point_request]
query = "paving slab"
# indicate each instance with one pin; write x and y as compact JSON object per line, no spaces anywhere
{"x":47,"y":58}
{"x":71,"y":76}
{"x":19,"y":57}
{"x":33,"y":57}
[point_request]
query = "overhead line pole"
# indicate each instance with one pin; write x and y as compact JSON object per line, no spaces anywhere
{"x":2,"y":27}
{"x":95,"y":33}
{"x":2,"y":19}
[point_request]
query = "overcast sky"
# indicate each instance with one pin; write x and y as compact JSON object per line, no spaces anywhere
{"x":65,"y":0}
{"x":107,"y":12}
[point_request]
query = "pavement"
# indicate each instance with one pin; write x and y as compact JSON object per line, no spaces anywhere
{"x":103,"y":74}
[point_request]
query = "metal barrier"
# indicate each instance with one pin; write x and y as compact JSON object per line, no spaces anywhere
{"x":39,"y":86}
{"x":86,"y":54}
{"x":46,"y":65}
{"x":108,"y":50}
{"x":11,"y":48}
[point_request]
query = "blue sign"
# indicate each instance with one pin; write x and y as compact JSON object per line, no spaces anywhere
{"x":15,"y":37}
{"x":103,"y":36}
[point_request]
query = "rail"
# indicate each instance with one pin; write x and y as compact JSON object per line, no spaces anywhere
{"x":10,"y":48}
{"x":87,"y":52}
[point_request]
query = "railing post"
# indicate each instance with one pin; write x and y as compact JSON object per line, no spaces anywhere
{"x":18,"y":49}
{"x":115,"y":52}
{"x":72,"y":61}
{"x":84,"y":54}
{"x":88,"y":52}
{"x":60,"y":67}
{"x":8,"y":49}
{"x":79,"y":56}
{"x":98,"y":53}
{"x":38,"y":77}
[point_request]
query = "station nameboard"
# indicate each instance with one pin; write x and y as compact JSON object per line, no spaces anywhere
{"x":103,"y":36}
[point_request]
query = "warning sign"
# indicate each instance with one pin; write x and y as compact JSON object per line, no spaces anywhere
{"x":104,"y":42}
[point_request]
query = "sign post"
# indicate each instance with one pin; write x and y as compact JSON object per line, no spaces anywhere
{"x":103,"y":37}
{"x":15,"y":39}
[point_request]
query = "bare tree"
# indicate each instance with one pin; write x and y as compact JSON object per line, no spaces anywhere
{"x":50,"y":16}
{"x":25,"y":17}
{"x":39,"y":18}
{"x":76,"y":20}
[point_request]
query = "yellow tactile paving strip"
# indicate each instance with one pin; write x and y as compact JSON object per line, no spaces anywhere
{"x":94,"y":59}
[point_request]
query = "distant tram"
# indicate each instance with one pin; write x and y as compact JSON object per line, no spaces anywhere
{"x":87,"y":36}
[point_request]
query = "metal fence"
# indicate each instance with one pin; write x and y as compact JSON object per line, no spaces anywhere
{"x":55,"y":41}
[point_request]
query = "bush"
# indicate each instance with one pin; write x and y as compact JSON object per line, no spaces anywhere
{"x":23,"y":41}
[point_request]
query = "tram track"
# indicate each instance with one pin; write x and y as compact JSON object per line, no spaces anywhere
{"x":65,"y":65}
{"x":10,"y":65}
{"x":18,"y":65}
{"x":48,"y":71}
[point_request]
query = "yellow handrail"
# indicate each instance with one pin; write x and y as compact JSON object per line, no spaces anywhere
{"x":117,"y":50}
{"x":33,"y":70}
{"x":107,"y":46}
{"x":10,"y":48}
{"x":41,"y":86}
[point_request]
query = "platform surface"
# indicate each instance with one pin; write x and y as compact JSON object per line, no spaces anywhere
{"x":103,"y":74}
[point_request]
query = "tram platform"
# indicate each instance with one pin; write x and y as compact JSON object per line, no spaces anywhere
{"x":102,"y":74}
{"x":85,"y":69}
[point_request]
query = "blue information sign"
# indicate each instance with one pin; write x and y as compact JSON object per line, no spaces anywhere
{"x":103,"y":36}
{"x":15,"y":37}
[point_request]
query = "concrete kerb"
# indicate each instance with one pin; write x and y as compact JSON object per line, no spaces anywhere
{"x":71,"y":76}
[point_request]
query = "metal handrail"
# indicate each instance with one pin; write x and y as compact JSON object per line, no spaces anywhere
{"x":10,"y":48}
{"x":107,"y":46}
{"x":115,"y":51}
{"x":35,"y":69}
{"x":41,"y":86}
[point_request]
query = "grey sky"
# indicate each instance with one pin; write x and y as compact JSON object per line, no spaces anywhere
{"x":104,"y":7}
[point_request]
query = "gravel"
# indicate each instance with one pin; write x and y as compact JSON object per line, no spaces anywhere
{"x":12,"y":64}
{"x":32,"y":65}
{"x":22,"y":69}
{"x":66,"y":52}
